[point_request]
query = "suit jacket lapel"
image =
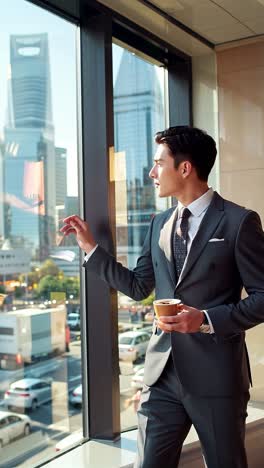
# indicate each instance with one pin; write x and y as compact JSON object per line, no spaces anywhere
{"x":209,"y":223}
{"x":165,"y":243}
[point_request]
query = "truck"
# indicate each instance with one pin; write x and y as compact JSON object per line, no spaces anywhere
{"x":29,"y":335}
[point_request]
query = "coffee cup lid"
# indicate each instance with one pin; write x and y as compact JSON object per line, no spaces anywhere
{"x":167,"y":301}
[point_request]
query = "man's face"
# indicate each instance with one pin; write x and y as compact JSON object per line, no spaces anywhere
{"x":167,"y":179}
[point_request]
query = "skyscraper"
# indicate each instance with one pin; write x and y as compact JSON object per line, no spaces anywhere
{"x":29,"y":163}
{"x":61,"y":175}
{"x":30,"y":93}
{"x":138,"y":114}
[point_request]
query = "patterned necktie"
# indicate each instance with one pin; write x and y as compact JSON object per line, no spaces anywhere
{"x":180,"y":242}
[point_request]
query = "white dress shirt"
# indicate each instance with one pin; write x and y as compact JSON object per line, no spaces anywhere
{"x":198,"y":209}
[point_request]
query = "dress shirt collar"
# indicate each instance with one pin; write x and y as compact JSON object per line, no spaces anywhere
{"x":198,"y":206}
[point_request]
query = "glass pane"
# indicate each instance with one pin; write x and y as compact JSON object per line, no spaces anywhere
{"x":40,"y":354}
{"x":139,"y":112}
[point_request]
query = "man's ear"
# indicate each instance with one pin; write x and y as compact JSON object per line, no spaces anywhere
{"x":186,"y":168}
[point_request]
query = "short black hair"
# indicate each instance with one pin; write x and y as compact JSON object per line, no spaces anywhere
{"x":190,"y":143}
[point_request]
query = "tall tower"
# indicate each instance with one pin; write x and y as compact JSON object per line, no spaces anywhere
{"x":30,"y":96}
{"x":138,"y":114}
{"x":61,"y":175}
{"x":29,"y":163}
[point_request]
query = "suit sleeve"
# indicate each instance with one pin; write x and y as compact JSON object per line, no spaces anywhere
{"x":137,"y":283}
{"x":249,"y":255}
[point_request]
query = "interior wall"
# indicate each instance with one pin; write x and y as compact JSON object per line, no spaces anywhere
{"x":241,"y":121}
{"x":241,"y":144}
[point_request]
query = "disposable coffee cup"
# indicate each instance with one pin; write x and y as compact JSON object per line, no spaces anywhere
{"x":167,"y":307}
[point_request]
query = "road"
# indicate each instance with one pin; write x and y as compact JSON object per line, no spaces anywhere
{"x":57,"y":419}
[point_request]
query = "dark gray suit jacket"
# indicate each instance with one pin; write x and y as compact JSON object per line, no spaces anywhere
{"x":213,"y":277}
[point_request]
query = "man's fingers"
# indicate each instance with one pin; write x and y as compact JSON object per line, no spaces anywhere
{"x":65,"y":228}
{"x":170,"y":318}
{"x":75,"y":223}
{"x":69,"y":218}
{"x":75,"y":219}
{"x":186,"y":308}
{"x":169,"y":327}
{"x":69,"y":230}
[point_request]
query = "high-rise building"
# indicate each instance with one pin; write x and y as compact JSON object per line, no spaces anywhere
{"x":72,"y":205}
{"x":29,"y":162}
{"x":138,"y":114}
{"x":30,"y":88}
{"x":61,"y":175}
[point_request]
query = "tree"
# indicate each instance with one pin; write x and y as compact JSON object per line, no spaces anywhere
{"x":47,"y":285}
{"x":49,"y":268}
{"x":149,"y":300}
{"x":19,"y":292}
{"x":71,"y":286}
{"x":29,"y":278}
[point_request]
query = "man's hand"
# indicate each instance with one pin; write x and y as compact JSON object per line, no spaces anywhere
{"x":77,"y":226}
{"x":187,"y":321}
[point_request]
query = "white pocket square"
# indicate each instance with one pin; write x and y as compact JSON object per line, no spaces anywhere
{"x":215,"y":239}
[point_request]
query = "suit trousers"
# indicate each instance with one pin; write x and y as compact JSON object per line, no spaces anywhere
{"x":165,"y":416}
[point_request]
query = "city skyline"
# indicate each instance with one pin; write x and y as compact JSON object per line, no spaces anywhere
{"x":35,"y":94}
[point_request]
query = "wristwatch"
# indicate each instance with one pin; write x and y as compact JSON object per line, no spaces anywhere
{"x":205,"y":327}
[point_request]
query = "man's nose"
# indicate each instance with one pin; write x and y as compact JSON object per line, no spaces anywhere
{"x":152,"y":173}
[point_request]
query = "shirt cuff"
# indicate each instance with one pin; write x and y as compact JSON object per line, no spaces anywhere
{"x":87,"y":256}
{"x":209,"y":322}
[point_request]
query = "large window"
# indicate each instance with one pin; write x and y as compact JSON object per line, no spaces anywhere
{"x":139,"y":112}
{"x":40,"y":357}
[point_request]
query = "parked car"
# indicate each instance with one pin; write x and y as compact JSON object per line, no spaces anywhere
{"x":132,"y":345}
{"x":149,"y":330}
{"x":28,"y":393}
{"x":13,"y":425}
{"x":74,"y":321}
{"x":137,"y":379}
{"x":76,"y":396}
{"x":149,"y":317}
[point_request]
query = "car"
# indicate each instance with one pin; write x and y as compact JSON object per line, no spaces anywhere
{"x":149,"y":317}
{"x":137,"y":379}
{"x":28,"y":393}
{"x":76,"y":396}
{"x":12,"y":426}
{"x":149,"y":330}
{"x":74,"y":321}
{"x":132,"y":345}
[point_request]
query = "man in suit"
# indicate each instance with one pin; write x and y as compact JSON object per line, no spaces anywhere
{"x":203,"y":252}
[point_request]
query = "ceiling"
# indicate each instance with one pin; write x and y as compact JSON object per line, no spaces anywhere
{"x":195,"y":26}
{"x":219,"y":21}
